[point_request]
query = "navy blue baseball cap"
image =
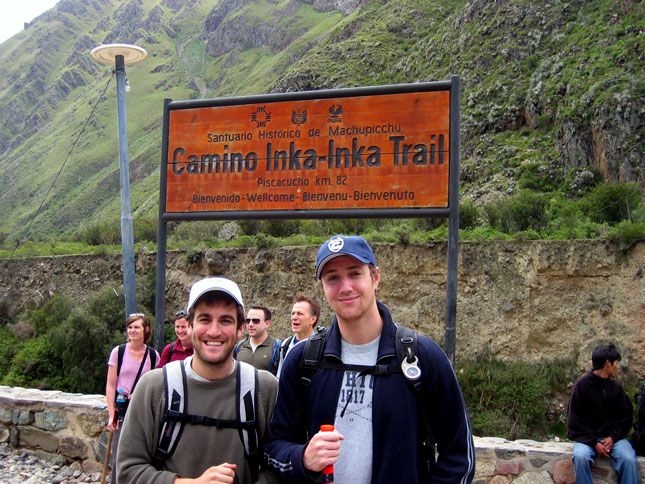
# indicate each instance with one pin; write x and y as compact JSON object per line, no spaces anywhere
{"x":352,"y":245}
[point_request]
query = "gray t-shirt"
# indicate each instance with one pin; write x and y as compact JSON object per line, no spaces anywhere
{"x":354,"y":416}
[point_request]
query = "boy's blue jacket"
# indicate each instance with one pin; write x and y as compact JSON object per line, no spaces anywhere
{"x":397,"y":418}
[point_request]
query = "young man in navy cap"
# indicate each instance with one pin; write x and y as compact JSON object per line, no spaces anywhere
{"x":381,"y":423}
{"x":213,"y":446}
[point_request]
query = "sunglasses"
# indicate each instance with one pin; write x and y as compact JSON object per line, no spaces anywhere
{"x":253,"y":320}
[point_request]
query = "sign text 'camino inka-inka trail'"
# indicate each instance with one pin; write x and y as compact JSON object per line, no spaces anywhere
{"x":358,"y":152}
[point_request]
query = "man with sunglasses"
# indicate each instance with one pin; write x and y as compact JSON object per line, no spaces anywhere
{"x":259,"y":349}
{"x":183,"y":347}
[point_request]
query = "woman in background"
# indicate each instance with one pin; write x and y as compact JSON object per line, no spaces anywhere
{"x":127,"y":363}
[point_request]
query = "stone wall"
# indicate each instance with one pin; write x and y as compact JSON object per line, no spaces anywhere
{"x":56,"y":423}
{"x":71,"y":426}
{"x":516,"y":300}
{"x":528,"y":462}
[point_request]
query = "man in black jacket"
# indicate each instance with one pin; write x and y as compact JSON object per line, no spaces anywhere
{"x":600,"y":416}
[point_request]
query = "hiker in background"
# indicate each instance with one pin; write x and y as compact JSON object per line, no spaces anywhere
{"x":600,"y":417}
{"x":183,"y":347}
{"x":304,"y":317}
{"x":383,"y":424}
{"x":215,"y":397}
{"x":127,"y":363}
{"x":259,"y":348}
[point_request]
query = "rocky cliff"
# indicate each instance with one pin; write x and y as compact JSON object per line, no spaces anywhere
{"x":523,"y":301}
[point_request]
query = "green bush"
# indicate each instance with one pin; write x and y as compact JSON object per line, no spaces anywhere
{"x":108,"y":306}
{"x":145,"y":229}
{"x":50,"y":314}
{"x":5,"y":311}
{"x":9,"y":346}
{"x":107,"y":233}
{"x":469,"y":215}
{"x":611,"y":202}
{"x":36,"y":365}
{"x":274,"y":228}
{"x":83,"y":343}
{"x":539,"y":177}
{"x":526,"y":210}
{"x":627,"y":233}
{"x":510,"y":399}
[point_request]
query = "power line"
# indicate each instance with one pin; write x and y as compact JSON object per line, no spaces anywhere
{"x":69,"y":154}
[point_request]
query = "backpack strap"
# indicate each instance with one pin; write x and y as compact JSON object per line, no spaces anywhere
{"x":247,"y":415}
{"x":174,"y":375}
{"x":311,"y":356}
{"x":171,"y":351}
{"x":405,"y":342}
{"x":275,"y":356}
{"x":120,"y":354}
{"x":238,"y":347}
{"x":406,"y":353}
{"x":284,"y":347}
{"x":153,"y":358}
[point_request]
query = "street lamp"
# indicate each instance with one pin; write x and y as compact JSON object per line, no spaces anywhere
{"x":120,"y":55}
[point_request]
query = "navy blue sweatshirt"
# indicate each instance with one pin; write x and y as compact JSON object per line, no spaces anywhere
{"x":397,"y":418}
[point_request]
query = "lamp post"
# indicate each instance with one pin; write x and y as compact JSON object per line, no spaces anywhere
{"x":120,"y":55}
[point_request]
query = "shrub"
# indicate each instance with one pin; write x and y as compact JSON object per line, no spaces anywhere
{"x":526,"y":210}
{"x":107,"y":233}
{"x":9,"y":346}
{"x":274,"y":228}
{"x":5,"y":311}
{"x":510,"y":399}
{"x":83,"y":344}
{"x":108,"y":306}
{"x":611,"y":202}
{"x":626,"y":233}
{"x":50,"y":314}
{"x":145,"y":229}
{"x":36,"y":365}
{"x":469,"y":215}
{"x":539,"y":177}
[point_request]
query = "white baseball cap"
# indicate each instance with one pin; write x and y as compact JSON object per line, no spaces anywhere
{"x":209,"y":284}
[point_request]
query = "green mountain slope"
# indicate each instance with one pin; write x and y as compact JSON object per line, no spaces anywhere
{"x":549,"y":89}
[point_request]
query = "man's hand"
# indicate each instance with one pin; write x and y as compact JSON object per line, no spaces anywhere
{"x":600,"y":449}
{"x":223,"y":473}
{"x":322,"y":451}
{"x":608,"y":444}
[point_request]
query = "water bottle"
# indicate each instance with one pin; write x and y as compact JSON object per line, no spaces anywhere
{"x":328,"y":471}
{"x":121,"y":403}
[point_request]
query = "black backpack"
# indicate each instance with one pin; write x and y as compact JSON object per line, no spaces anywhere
{"x":407,"y":365}
{"x":638,"y":437}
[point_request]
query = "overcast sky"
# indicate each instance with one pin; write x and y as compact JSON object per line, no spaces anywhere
{"x":14,"y":14}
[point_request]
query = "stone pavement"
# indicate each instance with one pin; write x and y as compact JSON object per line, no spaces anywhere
{"x":22,"y":466}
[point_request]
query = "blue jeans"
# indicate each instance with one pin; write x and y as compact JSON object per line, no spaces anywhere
{"x":623,"y":460}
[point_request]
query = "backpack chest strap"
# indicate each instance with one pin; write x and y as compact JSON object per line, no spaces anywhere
{"x":184,"y":418}
{"x":330,"y":364}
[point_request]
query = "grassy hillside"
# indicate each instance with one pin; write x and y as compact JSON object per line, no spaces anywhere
{"x":551,"y":93}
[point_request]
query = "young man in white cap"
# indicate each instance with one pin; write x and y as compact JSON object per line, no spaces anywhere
{"x":386,"y":414}
{"x":199,"y":433}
